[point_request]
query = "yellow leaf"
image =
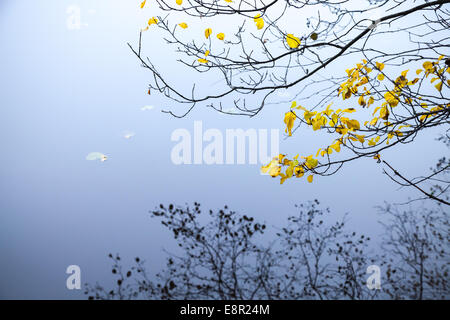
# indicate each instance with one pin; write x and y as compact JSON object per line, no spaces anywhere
{"x":272,"y":168}
{"x":380,"y":77}
{"x":384,"y":113}
{"x":380,"y":66}
{"x":289,"y":120}
{"x":428,"y":65}
{"x":259,"y":22}
{"x":208,"y":33}
{"x":328,"y":111}
{"x":361,"y":138}
{"x":318,"y":152}
{"x":334,"y":120}
{"x":308,"y":115}
{"x":289,"y":172}
{"x":342,"y":131}
{"x":310,"y":178}
{"x":143,"y":4}
{"x":275,"y":171}
{"x":292,"y":41}
{"x":152,"y":20}
{"x":411,"y":83}
{"x":311,"y":163}
{"x":353,"y":124}
{"x":391,"y":99}
{"x":179,"y":2}
{"x":183,"y":25}
{"x":336,"y":146}
{"x":221,"y":36}
{"x":346,"y":93}
{"x":317,"y":123}
{"x":299,"y":172}
{"x":203,"y":60}
{"x":439,"y":86}
{"x":361,"y":101}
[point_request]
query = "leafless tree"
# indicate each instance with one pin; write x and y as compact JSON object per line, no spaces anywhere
{"x":324,"y":261}
{"x":227,"y":258}
{"x":417,"y":253}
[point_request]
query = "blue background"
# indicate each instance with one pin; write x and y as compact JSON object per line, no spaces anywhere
{"x":65,"y":93}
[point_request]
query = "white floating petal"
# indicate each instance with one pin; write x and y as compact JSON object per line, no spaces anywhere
{"x":147,"y":108}
{"x":96,"y":156}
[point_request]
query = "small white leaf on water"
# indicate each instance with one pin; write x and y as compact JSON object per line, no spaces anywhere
{"x":128,"y":134}
{"x":96,"y":156}
{"x":145,"y":108}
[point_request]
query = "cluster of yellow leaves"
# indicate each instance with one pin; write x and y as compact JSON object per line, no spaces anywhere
{"x":356,"y":78}
{"x":294,"y":167}
{"x":317,"y":120}
{"x":355,"y":85}
{"x":338,"y":121}
{"x":433,"y":68}
{"x":328,"y":118}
